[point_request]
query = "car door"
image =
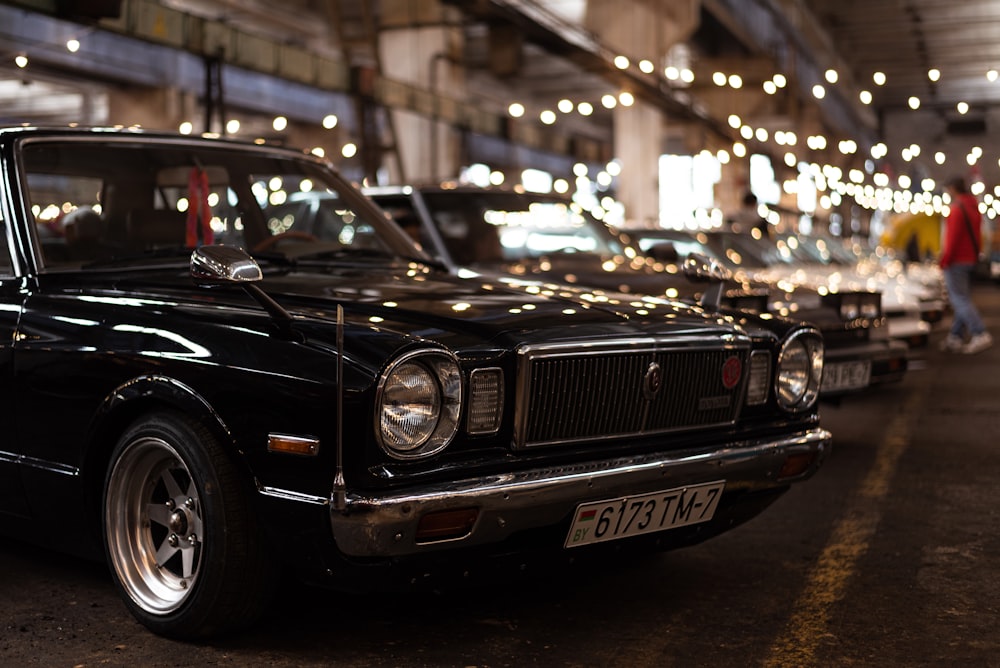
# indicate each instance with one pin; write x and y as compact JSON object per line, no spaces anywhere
{"x":12,"y":499}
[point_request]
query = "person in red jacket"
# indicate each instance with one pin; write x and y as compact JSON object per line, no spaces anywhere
{"x":959,"y":254}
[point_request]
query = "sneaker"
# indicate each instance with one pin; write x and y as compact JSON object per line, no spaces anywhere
{"x":978,"y":343}
{"x":953,"y":344}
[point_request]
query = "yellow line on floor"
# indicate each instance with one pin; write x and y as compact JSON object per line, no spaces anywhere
{"x":808,"y":625}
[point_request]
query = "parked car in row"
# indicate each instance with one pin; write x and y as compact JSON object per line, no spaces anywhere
{"x":206,"y":389}
{"x":548,"y":237}
{"x":854,"y":355}
{"x":786,"y":259}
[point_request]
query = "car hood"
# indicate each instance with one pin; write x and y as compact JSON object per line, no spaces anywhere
{"x":458,"y":312}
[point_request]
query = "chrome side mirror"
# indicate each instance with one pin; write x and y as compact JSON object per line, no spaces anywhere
{"x":214,"y":265}
{"x":701,"y":269}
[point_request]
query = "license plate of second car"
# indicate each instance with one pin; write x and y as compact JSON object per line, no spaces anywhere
{"x":627,"y":516}
{"x":846,"y":376}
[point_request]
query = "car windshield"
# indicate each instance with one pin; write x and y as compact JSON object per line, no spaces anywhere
{"x":114,"y":203}
{"x":484,"y":228}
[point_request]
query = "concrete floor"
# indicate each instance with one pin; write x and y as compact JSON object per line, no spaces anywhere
{"x":888,"y":557}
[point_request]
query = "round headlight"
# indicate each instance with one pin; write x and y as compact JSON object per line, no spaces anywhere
{"x":418,"y":403}
{"x":800,"y":370}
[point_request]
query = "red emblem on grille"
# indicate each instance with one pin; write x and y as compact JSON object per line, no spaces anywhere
{"x":731,"y":372}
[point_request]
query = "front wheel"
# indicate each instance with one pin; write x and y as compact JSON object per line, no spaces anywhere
{"x":179,"y":531}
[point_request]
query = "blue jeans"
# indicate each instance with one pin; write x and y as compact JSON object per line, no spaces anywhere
{"x":958,"y":280}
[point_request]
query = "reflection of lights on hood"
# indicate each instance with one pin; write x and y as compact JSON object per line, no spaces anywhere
{"x":461,"y":306}
{"x":390,"y":304}
{"x":376,"y":319}
{"x":609,"y":265}
{"x":569,"y":311}
{"x":194,"y":348}
{"x":123,"y":301}
{"x":76,"y":321}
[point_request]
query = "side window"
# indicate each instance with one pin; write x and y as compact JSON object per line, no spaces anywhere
{"x":67,"y":215}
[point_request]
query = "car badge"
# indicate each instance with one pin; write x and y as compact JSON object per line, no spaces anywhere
{"x":652,"y":382}
{"x":731,"y":372}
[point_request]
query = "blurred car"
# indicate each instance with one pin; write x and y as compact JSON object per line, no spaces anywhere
{"x":208,"y":395}
{"x":922,"y":280}
{"x":786,"y":261}
{"x":854,"y":354}
{"x":547,"y":236}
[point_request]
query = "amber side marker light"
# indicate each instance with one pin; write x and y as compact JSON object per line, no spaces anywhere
{"x":796,"y":464}
{"x":293,"y":445}
{"x":446,"y":525}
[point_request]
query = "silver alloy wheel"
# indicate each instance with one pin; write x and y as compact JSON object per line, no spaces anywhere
{"x":154,"y":527}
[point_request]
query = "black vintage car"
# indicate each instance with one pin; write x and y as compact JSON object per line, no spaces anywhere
{"x":547,"y":236}
{"x":206,"y":395}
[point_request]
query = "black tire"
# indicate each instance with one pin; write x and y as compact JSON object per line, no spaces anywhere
{"x":179,"y":531}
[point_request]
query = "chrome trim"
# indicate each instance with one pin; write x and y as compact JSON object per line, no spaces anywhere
{"x":534,"y":353}
{"x":500,"y":401}
{"x":814,"y":384}
{"x":385,"y":525}
{"x":406,"y":357}
{"x":289,"y":495}
{"x":756,"y":354}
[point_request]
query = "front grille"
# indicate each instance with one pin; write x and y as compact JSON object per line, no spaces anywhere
{"x":571,"y":396}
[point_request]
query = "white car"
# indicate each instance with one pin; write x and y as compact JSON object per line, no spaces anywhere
{"x":786,"y":259}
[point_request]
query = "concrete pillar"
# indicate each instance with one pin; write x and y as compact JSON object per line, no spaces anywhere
{"x":640,"y":29}
{"x":419,"y":44}
{"x":152,"y":108}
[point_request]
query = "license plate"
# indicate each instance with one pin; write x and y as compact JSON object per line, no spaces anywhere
{"x":600,"y":521}
{"x":846,"y":376}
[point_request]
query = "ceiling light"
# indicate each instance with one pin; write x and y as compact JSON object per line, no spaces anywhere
{"x":735,"y":80}
{"x":939,"y":158}
{"x":879,"y":78}
{"x":770,"y":87}
{"x":21,"y":60}
{"x":585,"y":108}
{"x":516,"y":109}
{"x":819,"y":92}
{"x":547,"y":116}
{"x":621,"y":62}
{"x":609,"y":101}
{"x":565,"y":106}
{"x":832,"y":76}
{"x":779,"y":80}
{"x":991,"y":75}
{"x":646,"y":66}
{"x":279,"y":123}
{"x":914,"y":102}
{"x":962,"y":107}
{"x":330,"y":121}
{"x":865,"y":96}
{"x":626,"y":99}
{"x":934,"y":74}
{"x":734,"y":121}
{"x":719,"y":79}
{"x":73,"y":45}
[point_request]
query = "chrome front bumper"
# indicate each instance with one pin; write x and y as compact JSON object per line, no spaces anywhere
{"x":386,"y":526}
